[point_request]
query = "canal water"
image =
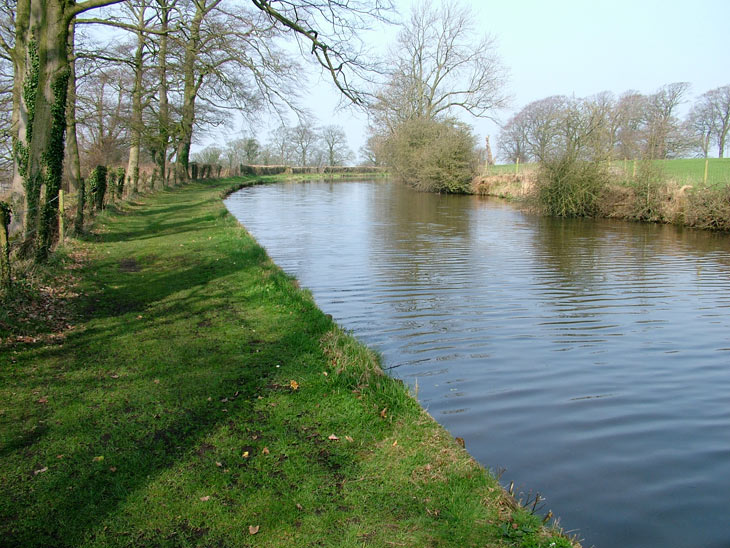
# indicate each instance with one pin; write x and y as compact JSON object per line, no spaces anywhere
{"x":588,"y":359}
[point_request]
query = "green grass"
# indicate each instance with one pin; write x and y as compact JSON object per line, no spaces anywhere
{"x":199,"y":394}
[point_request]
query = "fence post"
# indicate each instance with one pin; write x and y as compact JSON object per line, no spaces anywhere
{"x":61,"y":235}
{"x":707,"y":163}
{"x":5,"y":215}
{"x":517,"y":166}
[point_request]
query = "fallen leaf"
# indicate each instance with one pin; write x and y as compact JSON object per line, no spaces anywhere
{"x":219,"y":464}
{"x":245,"y":454}
{"x":333,"y":437}
{"x":115,"y":376}
{"x":294,"y":385}
{"x":44,"y":469}
{"x":299,"y":506}
{"x":112,"y":468}
{"x":395,"y":443}
{"x":210,"y":399}
{"x":156,"y":381}
{"x":382,"y":413}
{"x":139,"y":317}
{"x":265,"y":451}
{"x":98,"y":459}
{"x":348,"y":438}
{"x":253,"y":529}
{"x":205,"y":499}
{"x":324,"y":373}
{"x":44,"y":399}
{"x":224,"y":400}
{"x":59,"y":456}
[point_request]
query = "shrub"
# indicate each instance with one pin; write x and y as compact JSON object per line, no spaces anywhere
{"x":568,"y":187}
{"x":650,"y":192}
{"x":432,"y":155}
{"x":709,"y":208}
{"x":97,"y":186}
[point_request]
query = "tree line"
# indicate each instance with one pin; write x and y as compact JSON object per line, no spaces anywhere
{"x":302,"y":145}
{"x":630,"y":126}
{"x":110,"y":81}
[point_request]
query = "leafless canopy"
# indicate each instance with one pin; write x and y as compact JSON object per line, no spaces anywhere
{"x":331,"y":31}
{"x":441,"y":64}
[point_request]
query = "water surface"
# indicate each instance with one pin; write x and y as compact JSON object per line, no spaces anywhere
{"x":590,"y":359}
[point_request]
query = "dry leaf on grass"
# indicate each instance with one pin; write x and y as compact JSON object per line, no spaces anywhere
{"x":333,"y":437}
{"x":205,"y":499}
{"x":98,"y":459}
{"x":294,"y":385}
{"x":253,"y":529}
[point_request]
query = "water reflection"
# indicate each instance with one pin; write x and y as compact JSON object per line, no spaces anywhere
{"x":590,"y":358}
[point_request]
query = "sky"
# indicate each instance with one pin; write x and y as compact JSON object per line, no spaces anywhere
{"x":576,"y":47}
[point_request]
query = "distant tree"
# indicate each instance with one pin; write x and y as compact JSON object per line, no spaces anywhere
{"x":712,"y":111}
{"x":279,"y":145}
{"x":513,"y":139}
{"x":209,"y":155}
{"x":631,"y":134}
{"x":335,"y":145}
{"x":372,"y":153}
{"x":303,"y":140}
{"x":662,"y":124}
{"x":701,"y":127}
{"x":251,"y":150}
{"x":542,"y":122}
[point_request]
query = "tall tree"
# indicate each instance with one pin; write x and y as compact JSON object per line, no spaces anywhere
{"x":41,"y":69}
{"x":441,"y":65}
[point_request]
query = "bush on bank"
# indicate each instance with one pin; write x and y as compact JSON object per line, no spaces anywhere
{"x":567,"y":187}
{"x":432,"y":155}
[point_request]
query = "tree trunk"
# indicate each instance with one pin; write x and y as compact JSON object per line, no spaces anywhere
{"x":192,"y":83}
{"x":72,"y":147}
{"x":164,"y":121}
{"x":41,"y":64}
{"x":136,"y":117}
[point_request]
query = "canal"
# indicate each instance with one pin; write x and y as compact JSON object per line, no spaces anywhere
{"x":587,"y":360}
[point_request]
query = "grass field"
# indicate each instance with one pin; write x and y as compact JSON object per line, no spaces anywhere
{"x":193,"y":395}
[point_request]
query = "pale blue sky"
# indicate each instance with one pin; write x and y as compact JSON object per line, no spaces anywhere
{"x":580,"y":48}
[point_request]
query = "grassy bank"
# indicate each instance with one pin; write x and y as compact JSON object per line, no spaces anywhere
{"x":681,"y":171}
{"x":188,"y":393}
{"x":667,"y":191}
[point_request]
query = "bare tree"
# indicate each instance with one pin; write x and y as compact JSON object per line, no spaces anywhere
{"x":335,"y":145}
{"x":441,"y":64}
{"x":630,"y":113}
{"x":513,"y":144}
{"x":662,"y":124}
{"x":701,"y":127}
{"x":303,"y":139}
{"x":713,"y":110}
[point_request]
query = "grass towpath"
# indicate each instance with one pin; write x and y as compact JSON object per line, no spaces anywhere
{"x":202,"y":399}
